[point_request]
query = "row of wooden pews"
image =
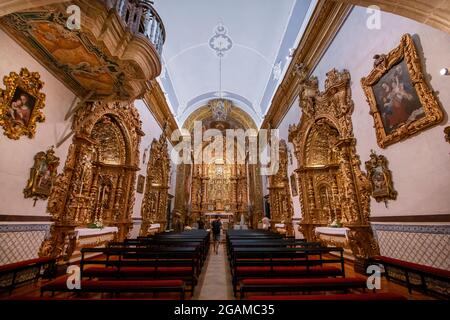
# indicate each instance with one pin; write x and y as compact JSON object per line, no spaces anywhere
{"x":163,"y":265}
{"x":262,"y":262}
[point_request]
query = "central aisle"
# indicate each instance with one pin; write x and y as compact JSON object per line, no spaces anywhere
{"x":215,"y":280}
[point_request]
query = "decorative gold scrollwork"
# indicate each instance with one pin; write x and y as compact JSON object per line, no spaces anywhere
{"x":380,"y":178}
{"x":281,"y":207}
{"x":154,"y":203}
{"x":400,"y":99}
{"x":42,"y":175}
{"x":21,"y":104}
{"x":332,"y":186}
{"x":447,"y":134}
{"x":97,"y":185}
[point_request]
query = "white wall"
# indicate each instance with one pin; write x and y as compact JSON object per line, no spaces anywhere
{"x":420,"y":165}
{"x":16,"y":156}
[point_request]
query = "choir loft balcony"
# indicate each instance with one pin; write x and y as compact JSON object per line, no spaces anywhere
{"x":112,"y":53}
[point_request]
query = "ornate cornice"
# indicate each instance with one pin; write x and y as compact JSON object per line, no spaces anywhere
{"x":324,"y":24}
{"x":156,"y":102}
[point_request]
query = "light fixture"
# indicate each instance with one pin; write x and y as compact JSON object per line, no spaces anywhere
{"x":444,"y":72}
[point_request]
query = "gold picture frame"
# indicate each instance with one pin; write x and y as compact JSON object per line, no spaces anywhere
{"x":21,"y":104}
{"x":401,"y":102}
{"x":42,"y":175}
{"x":380,"y":178}
{"x":447,"y":134}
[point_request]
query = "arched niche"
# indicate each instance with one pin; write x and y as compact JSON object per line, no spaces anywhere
{"x":97,"y":185}
{"x":332,"y":185}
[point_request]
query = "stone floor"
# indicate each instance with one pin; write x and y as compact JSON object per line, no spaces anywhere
{"x":215,"y":280}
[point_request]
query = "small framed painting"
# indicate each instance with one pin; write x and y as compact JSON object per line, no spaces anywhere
{"x":21,"y":103}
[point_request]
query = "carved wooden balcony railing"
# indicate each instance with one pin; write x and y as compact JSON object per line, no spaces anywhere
{"x":142,"y":18}
{"x":114,"y":54}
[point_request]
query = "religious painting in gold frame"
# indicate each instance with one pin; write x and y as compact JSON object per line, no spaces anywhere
{"x":21,"y":104}
{"x":294,"y":189}
{"x":42,"y":175}
{"x":140,"y":184}
{"x":401,"y":101}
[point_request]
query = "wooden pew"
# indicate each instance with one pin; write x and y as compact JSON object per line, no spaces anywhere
{"x":116,"y":287}
{"x":348,"y":296}
{"x":142,"y":263}
{"x":298,"y":285}
{"x":286,"y":262}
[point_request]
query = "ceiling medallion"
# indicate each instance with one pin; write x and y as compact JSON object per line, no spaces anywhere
{"x":220,"y":42}
{"x":220,"y":109}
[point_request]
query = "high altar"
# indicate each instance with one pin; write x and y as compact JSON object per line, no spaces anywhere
{"x":220,"y":188}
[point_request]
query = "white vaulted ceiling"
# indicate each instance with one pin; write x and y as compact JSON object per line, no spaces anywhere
{"x":261,"y":32}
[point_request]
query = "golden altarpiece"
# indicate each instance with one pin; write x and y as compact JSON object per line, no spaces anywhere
{"x":219,"y":187}
{"x":281,"y":207}
{"x":97,"y":185}
{"x":332,"y":185}
{"x":219,"y":184}
{"x":155,"y":201}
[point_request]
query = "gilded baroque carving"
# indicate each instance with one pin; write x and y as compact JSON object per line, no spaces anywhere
{"x":380,"y":178}
{"x":155,"y":200}
{"x":21,"y":104}
{"x":447,"y":134}
{"x":332,"y":186}
{"x":98,"y":182}
{"x":281,"y":207}
{"x":42,"y":175}
{"x":400,"y":99}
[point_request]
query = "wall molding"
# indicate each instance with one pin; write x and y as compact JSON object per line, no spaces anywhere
{"x":22,"y":218}
{"x":4,"y":228}
{"x":434,"y":218}
{"x":156,"y":102}
{"x":324,"y":24}
{"x":433,"y":229}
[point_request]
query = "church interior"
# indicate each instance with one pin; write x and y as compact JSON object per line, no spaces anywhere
{"x":225,"y":150}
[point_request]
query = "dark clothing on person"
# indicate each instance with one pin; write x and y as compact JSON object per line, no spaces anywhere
{"x":201,"y":224}
{"x":216,"y":225}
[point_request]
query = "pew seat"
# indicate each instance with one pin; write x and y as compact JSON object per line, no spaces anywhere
{"x":348,"y":296}
{"x":302,"y":284}
{"x":290,"y":270}
{"x":117,"y":286}
{"x":136,"y":271}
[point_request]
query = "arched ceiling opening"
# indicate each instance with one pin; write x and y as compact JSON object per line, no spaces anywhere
{"x":204,"y":114}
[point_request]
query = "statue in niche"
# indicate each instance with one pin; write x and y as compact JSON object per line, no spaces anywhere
{"x":380,"y":178}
